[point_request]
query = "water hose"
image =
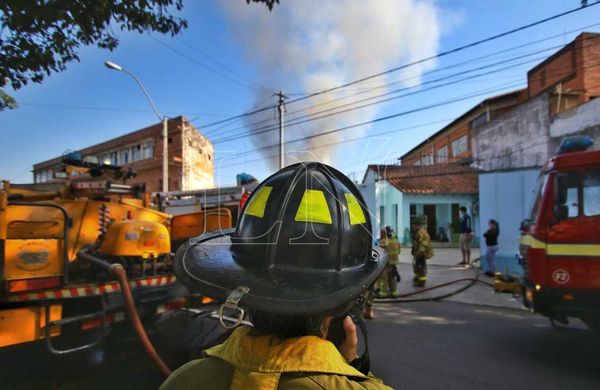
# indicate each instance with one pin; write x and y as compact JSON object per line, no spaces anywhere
{"x":118,"y":271}
{"x":403,"y":297}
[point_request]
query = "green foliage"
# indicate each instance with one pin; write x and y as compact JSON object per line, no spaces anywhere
{"x":268,"y":3}
{"x":38,"y":37}
{"x":6,"y":101}
{"x":420,"y":220}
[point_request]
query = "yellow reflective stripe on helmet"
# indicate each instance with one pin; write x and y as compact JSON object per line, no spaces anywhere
{"x":313,"y":208}
{"x":356,"y":213}
{"x":258,"y":202}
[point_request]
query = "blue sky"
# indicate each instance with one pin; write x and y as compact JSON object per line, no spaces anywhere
{"x":88,"y":103}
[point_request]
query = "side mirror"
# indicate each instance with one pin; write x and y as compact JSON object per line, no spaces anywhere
{"x":560,"y":212}
{"x":525,"y":224}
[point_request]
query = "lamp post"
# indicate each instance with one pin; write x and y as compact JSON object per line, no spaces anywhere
{"x":163,"y":119}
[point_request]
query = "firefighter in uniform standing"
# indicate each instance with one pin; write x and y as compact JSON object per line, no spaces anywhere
{"x":421,"y":251}
{"x":299,"y":260}
{"x":388,"y":282}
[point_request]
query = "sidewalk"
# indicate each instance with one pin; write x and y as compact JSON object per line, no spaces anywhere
{"x":443,"y":268}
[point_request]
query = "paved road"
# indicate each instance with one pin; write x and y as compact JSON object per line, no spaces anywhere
{"x":428,"y":345}
{"x":444,"y":345}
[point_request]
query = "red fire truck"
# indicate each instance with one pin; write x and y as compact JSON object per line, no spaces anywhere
{"x":560,"y":243}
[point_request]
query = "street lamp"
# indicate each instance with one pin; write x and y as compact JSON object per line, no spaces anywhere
{"x":163,"y":119}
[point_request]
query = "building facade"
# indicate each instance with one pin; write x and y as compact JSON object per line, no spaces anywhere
{"x":568,"y":78}
{"x":571,"y":74}
{"x":396,"y":195}
{"x":453,"y":143}
{"x":190,"y":154}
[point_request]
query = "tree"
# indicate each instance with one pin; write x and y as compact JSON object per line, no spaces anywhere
{"x":38,"y":37}
{"x":268,"y":3}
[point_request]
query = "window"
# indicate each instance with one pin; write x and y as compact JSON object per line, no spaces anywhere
{"x":45,"y":175}
{"x":577,"y":194}
{"x":413,"y":209}
{"x":136,"y":153}
{"x":104,"y":159}
{"x":148,"y":150}
{"x":382,"y":216}
{"x":480,"y":120}
{"x":567,"y":197}
{"x":591,"y":193}
{"x":416,"y":163}
{"x":540,"y":190}
{"x":427,"y":159}
{"x":124,"y":157}
{"x":459,"y":146}
{"x":113,"y":158}
{"x":442,"y":155}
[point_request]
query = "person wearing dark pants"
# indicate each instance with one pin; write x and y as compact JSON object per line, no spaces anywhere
{"x":466,"y":235}
{"x":491,"y":242}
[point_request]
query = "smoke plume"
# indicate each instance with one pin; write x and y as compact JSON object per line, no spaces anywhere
{"x":312,"y":45}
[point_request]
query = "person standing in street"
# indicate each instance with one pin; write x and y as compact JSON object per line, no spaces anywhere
{"x":491,"y":242}
{"x":466,"y":235}
{"x":421,"y":251}
{"x":387,"y":285}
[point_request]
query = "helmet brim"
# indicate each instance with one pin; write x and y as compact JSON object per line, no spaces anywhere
{"x":207,"y":266}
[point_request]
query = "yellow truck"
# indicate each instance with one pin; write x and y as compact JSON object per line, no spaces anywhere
{"x":85,"y":252}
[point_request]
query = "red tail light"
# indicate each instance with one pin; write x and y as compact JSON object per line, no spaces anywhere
{"x":33,"y":284}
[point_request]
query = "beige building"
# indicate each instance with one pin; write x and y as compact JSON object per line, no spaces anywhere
{"x":191,"y":157}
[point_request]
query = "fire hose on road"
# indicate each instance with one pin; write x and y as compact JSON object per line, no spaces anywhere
{"x":405,"y":297}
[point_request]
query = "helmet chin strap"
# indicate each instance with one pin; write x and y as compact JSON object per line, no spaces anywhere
{"x":362,"y":363}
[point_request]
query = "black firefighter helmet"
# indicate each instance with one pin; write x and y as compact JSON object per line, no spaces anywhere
{"x":303,"y":245}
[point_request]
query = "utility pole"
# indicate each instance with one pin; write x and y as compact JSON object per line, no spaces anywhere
{"x":165,"y":155}
{"x":281,"y":109}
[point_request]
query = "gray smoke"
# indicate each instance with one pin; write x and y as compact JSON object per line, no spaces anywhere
{"x":314,"y":45}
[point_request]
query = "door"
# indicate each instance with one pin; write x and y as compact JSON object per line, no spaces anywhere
{"x":574,"y":236}
{"x":429,"y":211}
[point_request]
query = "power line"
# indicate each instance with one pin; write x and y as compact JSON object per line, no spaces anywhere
{"x":423,"y":108}
{"x":205,"y":66}
{"x":480,"y":160}
{"x":395,"y":69}
{"x":108,"y":109}
{"x":447,"y":52}
{"x":312,"y":118}
{"x":396,"y":115}
{"x":218,"y":63}
{"x":349,"y":140}
{"x":469,"y":61}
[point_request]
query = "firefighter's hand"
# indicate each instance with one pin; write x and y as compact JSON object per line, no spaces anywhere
{"x":348,"y":347}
